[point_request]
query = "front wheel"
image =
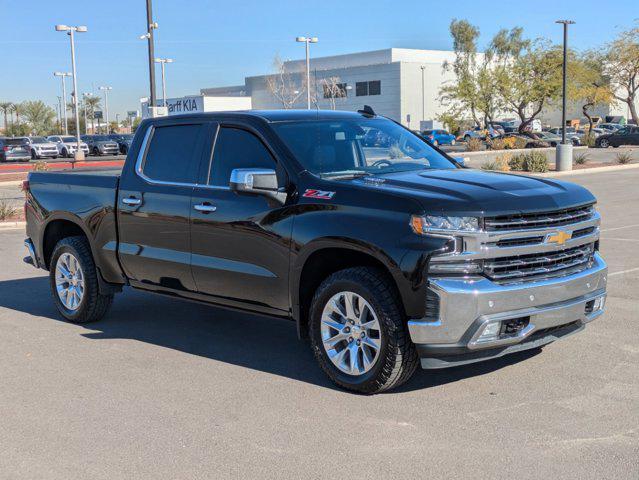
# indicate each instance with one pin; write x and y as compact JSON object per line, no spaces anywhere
{"x":452,"y":142}
{"x":96,"y":152}
{"x":435,"y":142}
{"x":34,"y":155}
{"x":74,"y":282}
{"x":358,"y":333}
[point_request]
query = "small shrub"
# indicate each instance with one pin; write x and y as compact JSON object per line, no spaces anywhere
{"x":6,"y":210}
{"x":589,"y":139}
{"x":519,"y":143}
{"x":581,"y":158}
{"x":624,"y":157}
{"x":503,"y":162}
{"x":495,"y":144}
{"x":536,"y":162}
{"x":517,"y":162}
{"x":40,"y":166}
{"x":490,"y":165}
{"x":509,"y":143}
{"x":474,"y":145}
{"x":395,"y":152}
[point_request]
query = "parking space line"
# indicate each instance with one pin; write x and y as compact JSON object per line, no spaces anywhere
{"x":621,"y":239}
{"x":613,"y":274}
{"x":619,"y":228}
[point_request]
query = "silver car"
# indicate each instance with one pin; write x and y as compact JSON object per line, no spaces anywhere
{"x":13,"y":150}
{"x":101,"y":145}
{"x":67,"y":145}
{"x":40,"y":147}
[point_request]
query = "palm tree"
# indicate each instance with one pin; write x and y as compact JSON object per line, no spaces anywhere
{"x":5,"y":107}
{"x":91,"y":103}
{"x":16,"y":108}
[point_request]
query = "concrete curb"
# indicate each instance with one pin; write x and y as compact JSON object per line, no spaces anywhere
{"x":587,"y":171}
{"x":12,"y":225}
{"x":17,"y":183}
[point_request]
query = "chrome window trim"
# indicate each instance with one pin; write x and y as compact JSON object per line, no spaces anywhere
{"x":139,"y":166}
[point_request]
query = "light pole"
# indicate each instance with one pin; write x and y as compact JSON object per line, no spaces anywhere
{"x":106,"y":104}
{"x":307,"y":41}
{"x":79,"y":154}
{"x":60,"y":113}
{"x":564,"y":150}
{"x":63,"y":76}
{"x":423,"y":67}
{"x":163,"y":62}
{"x":150,"y":26}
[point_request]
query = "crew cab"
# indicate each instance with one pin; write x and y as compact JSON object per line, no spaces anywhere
{"x":385,"y":258}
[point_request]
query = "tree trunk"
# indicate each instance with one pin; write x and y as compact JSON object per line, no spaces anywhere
{"x":584,"y":109}
{"x":633,"y":111}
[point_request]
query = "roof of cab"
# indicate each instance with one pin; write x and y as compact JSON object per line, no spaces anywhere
{"x":276,"y":115}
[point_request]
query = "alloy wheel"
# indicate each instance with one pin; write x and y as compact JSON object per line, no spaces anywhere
{"x":351,"y":333}
{"x":69,"y":281}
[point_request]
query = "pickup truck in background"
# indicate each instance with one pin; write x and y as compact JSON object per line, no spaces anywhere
{"x":385,"y":257}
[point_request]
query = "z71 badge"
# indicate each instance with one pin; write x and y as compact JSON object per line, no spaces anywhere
{"x":321,"y":194}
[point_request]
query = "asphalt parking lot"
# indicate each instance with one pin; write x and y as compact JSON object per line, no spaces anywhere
{"x":167,"y":389}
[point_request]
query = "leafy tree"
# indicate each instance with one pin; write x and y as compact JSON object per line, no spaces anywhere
{"x":527,"y":73}
{"x":621,"y":66}
{"x":5,"y":108}
{"x":474,"y":90}
{"x":589,"y":86}
{"x":38,"y":116}
{"x":91,"y":103}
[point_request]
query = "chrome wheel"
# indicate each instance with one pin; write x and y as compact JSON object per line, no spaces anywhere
{"x":69,"y":281}
{"x":351,"y":333}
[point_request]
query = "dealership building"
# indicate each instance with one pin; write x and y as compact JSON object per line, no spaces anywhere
{"x":400,"y":83}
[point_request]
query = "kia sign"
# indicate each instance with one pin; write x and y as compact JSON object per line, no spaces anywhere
{"x":185,"y":105}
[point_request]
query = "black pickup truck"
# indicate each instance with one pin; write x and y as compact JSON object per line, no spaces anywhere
{"x":384,"y":257}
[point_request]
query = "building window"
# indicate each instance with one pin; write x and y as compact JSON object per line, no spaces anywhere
{"x":334,"y":90}
{"x":363,"y":89}
{"x":375,"y":87}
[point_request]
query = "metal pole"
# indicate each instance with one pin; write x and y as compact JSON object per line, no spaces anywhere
{"x":64,"y":103}
{"x":308,"y":74}
{"x":149,"y":26}
{"x":563,"y":91}
{"x":106,"y":108}
{"x":163,"y":84}
{"x":86,"y":128}
{"x":423,"y":96}
{"x":79,"y":154}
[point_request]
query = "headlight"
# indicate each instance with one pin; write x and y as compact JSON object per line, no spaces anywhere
{"x":424,"y":224}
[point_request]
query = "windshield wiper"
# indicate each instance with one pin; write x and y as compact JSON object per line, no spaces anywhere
{"x":345,"y":174}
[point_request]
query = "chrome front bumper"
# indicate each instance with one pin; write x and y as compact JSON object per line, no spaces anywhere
{"x":468,"y":305}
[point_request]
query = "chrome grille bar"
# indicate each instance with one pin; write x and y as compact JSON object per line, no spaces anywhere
{"x":539,"y":220}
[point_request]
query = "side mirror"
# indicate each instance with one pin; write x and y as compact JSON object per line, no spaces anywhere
{"x":257,"y":181}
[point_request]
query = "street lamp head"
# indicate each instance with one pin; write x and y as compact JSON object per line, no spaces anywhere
{"x":313,"y":40}
{"x":565,"y":22}
{"x":61,"y":28}
{"x":81,"y":28}
{"x":145,"y":36}
{"x":300,"y":39}
{"x":168,"y":60}
{"x":106,"y":88}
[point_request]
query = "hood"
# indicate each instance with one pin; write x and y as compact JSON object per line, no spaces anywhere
{"x":479,"y":193}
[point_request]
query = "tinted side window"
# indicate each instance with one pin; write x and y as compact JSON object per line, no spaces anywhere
{"x":171,"y":155}
{"x":235,"y":148}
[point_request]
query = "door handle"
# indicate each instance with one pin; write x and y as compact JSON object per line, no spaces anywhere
{"x":205,"y":207}
{"x":131,"y":201}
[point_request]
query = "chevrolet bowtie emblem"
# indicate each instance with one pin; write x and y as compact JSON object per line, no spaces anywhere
{"x":559,"y":238}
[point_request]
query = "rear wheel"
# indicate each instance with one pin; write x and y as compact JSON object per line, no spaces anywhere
{"x":34,"y":155}
{"x":96,"y":152}
{"x":435,"y":142}
{"x":604,"y":143}
{"x":452,"y":142}
{"x":358,"y":333}
{"x":74,"y":282}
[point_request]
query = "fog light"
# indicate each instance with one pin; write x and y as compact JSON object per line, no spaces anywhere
{"x":599,"y":303}
{"x":491,"y":332}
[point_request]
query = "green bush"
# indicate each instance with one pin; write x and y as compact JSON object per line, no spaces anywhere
{"x":474,"y":145}
{"x":529,"y":162}
{"x":624,"y":157}
{"x":490,"y":165}
{"x":581,"y":158}
{"x":6,"y":211}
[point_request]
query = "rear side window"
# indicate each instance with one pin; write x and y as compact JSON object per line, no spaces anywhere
{"x":235,"y":148}
{"x":171,"y":155}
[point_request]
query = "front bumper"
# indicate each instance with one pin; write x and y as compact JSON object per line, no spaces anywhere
{"x":552,"y":308}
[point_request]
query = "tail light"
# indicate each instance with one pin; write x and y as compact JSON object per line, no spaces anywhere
{"x":5,"y":148}
{"x":431,"y":136}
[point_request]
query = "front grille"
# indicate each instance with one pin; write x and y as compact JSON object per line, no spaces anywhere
{"x":527,"y":267}
{"x":539,"y":220}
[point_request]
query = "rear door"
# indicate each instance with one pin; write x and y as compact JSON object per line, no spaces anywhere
{"x":154,"y":203}
{"x":240,"y":242}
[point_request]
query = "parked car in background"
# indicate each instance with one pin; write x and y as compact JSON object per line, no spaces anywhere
{"x":124,"y":141}
{"x":628,"y":135}
{"x":480,"y":133}
{"x":101,"y":145}
{"x":610,"y":127}
{"x":40,"y":147}
{"x":531,"y":141}
{"x":13,"y":150}
{"x":439,"y":137}
{"x":571,"y":133}
{"x":67,"y":144}
{"x":508,"y":126}
{"x":550,"y":138}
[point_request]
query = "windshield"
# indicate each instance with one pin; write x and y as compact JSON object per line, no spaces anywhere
{"x":69,"y":139}
{"x":38,"y":140}
{"x":362,"y":146}
{"x":101,"y":138}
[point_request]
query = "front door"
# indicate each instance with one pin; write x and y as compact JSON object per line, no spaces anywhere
{"x":154,"y":205}
{"x":239,"y":242}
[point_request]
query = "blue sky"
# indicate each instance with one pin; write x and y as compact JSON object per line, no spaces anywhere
{"x":217,"y":43}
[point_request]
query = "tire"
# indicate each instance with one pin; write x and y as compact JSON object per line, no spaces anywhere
{"x":604,"y":143}
{"x":55,"y":157}
{"x":34,"y":155}
{"x":96,"y":152}
{"x":65,"y":153}
{"x":436,"y":143}
{"x":92,"y":305}
{"x":452,"y":143}
{"x":466,"y":138}
{"x":395,"y":360}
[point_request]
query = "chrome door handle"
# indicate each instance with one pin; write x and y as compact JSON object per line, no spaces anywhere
{"x":131,"y":201}
{"x":204,"y":207}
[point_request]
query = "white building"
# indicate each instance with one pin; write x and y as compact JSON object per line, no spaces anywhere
{"x":400,"y":83}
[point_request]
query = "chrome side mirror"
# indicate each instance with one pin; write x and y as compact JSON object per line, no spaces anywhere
{"x":257,"y":181}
